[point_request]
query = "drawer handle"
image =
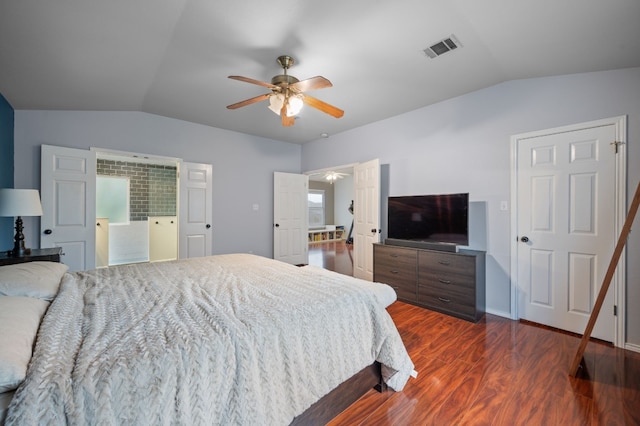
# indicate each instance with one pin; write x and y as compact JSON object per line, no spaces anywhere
{"x":394,"y":271}
{"x":444,"y":281}
{"x":393,"y":255}
{"x":444,"y":262}
{"x":442,"y":299}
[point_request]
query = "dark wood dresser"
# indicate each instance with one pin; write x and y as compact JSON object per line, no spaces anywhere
{"x":36,"y":255}
{"x":452,"y":283}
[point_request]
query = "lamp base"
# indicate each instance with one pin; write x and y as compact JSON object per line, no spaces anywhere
{"x":18,"y":242}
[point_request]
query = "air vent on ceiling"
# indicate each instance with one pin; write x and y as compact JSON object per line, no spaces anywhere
{"x":443,"y":46}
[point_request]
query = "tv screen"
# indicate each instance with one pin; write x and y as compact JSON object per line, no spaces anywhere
{"x":442,"y":218}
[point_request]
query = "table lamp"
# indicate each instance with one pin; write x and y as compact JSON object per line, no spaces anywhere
{"x":17,"y":203}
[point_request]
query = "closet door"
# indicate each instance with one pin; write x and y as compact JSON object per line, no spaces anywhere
{"x":195,"y":232}
{"x":68,"y":192}
{"x":290,"y":218}
{"x":163,"y":238}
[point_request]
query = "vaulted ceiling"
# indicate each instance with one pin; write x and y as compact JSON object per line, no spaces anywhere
{"x":173,"y":57}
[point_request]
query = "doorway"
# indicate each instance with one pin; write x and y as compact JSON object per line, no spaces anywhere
{"x":329,"y":230}
{"x":136,"y":209}
{"x":568,"y":199}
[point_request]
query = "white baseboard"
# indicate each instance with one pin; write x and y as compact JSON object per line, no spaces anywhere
{"x":499,"y":313}
{"x":632,"y":347}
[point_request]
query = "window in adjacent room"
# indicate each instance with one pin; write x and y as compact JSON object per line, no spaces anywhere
{"x":112,"y":195}
{"x":316,"y":208}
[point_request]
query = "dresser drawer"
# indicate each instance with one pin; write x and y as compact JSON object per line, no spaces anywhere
{"x":445,"y":279}
{"x":462,"y":295}
{"x":450,"y":301}
{"x":395,"y":255}
{"x":398,"y":268}
{"x":447,"y":263}
{"x":403,"y":282}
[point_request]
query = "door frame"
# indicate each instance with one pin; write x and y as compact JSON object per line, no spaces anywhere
{"x":353,"y":167}
{"x":619,"y":278}
{"x":138,"y":157}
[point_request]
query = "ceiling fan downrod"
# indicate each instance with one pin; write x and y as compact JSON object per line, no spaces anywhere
{"x":284,"y":80}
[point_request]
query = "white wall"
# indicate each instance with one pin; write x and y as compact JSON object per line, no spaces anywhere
{"x":463,"y":145}
{"x":243,"y":165}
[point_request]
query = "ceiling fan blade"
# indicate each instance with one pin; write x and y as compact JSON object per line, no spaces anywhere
{"x":249,"y":101}
{"x":252,"y":81}
{"x":286,"y":121}
{"x":313,"y":83}
{"x":323,"y":106}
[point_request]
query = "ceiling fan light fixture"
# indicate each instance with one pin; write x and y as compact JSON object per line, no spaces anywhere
{"x":333,"y":176}
{"x":275,"y":102}
{"x":294,"y":104}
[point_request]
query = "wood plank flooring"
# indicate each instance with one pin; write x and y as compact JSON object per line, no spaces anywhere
{"x":333,"y":255}
{"x":499,"y":372}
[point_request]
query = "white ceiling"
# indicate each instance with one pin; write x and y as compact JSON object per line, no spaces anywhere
{"x":172,"y":57}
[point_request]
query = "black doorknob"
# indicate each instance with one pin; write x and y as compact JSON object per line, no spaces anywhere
{"x":48,"y":231}
{"x":277,"y":225}
{"x":208,"y":226}
{"x":524,"y":239}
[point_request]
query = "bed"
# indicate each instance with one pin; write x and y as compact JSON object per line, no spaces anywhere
{"x":227,"y":339}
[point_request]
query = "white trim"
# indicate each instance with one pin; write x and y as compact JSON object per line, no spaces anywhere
{"x":497,"y":313}
{"x":632,"y":347}
{"x":136,"y":157}
{"x":330,"y":169}
{"x":619,"y":278}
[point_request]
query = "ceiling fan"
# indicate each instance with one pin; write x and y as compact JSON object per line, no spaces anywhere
{"x":334,"y":176}
{"x":288,"y":93}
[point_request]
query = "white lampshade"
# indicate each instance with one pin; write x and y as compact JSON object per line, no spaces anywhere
{"x":20,"y":202}
{"x":275,"y":102}
{"x":294,"y":104}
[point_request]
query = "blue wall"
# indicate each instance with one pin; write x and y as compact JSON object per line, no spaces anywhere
{"x":6,"y":168}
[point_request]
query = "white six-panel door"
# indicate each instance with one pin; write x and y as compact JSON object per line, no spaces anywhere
{"x":290,"y":218}
{"x":566,"y":220}
{"x":68,"y":192}
{"x":195,"y":215}
{"x":366,"y":217}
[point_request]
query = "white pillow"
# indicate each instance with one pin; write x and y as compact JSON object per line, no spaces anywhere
{"x":19,"y":321}
{"x":32,"y":279}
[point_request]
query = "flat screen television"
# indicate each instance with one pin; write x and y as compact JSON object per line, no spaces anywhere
{"x":441,"y":219}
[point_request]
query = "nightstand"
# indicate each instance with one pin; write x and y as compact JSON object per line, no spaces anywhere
{"x":37,"y":255}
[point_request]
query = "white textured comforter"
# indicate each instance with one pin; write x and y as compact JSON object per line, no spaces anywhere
{"x":229,"y":339}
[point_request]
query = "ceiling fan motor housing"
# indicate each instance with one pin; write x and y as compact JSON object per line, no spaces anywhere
{"x":283,"y":80}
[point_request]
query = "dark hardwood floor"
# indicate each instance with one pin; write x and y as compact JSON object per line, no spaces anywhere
{"x":333,"y":255}
{"x":496,"y":372}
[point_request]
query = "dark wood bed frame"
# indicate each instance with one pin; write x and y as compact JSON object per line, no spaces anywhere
{"x":343,"y":396}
